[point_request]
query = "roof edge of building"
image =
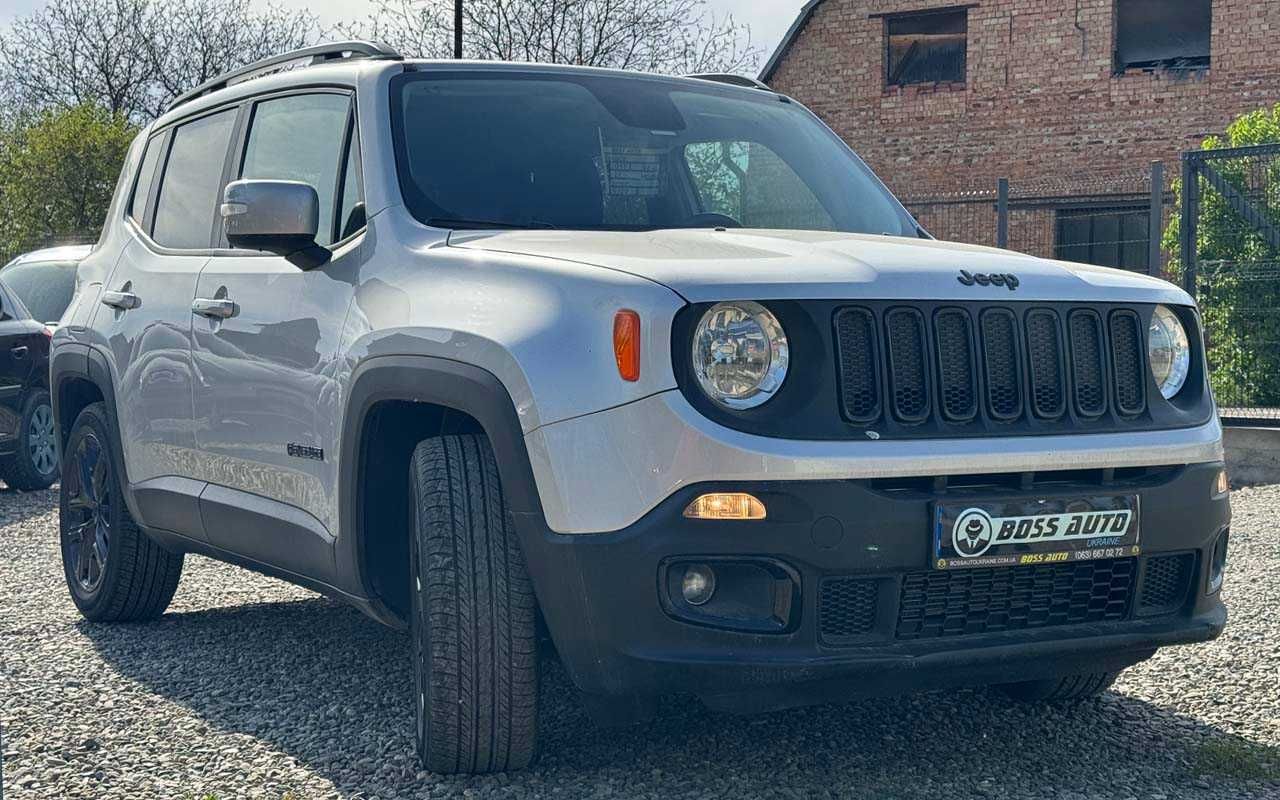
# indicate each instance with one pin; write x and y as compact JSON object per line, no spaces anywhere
{"x":802,"y":19}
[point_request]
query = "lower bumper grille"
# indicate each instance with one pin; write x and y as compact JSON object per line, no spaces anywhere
{"x":962,"y":602}
{"x":1165,"y":584}
{"x":939,"y":604}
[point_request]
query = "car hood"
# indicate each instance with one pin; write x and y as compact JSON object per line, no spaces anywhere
{"x":710,"y":265}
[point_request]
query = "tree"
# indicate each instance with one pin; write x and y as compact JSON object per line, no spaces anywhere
{"x":673,"y":36}
{"x":193,"y":41}
{"x":1239,"y":272}
{"x":58,"y":171}
{"x":79,"y":51}
{"x":133,"y":57}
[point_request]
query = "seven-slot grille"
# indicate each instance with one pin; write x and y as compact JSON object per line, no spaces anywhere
{"x":961,"y":363}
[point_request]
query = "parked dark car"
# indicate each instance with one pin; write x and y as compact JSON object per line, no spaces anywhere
{"x":34,"y":291}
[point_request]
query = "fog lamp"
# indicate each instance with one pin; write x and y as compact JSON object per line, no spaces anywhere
{"x":698,"y":585}
{"x":726,"y":505}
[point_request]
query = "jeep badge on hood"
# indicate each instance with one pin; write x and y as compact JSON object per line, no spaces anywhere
{"x":995,"y":279}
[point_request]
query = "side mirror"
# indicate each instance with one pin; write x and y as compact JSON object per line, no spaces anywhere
{"x":278,"y":217}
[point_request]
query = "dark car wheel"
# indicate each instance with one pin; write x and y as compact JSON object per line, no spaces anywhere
{"x":34,"y":465}
{"x":114,"y":571}
{"x":1070,"y":689}
{"x":475,"y":655}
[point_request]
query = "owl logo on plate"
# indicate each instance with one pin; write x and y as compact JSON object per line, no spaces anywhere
{"x":973,"y":533}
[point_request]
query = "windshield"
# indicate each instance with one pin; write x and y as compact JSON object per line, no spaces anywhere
{"x":44,"y":287}
{"x":537,"y":150}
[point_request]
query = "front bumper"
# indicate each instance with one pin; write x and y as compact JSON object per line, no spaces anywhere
{"x":609,"y":611}
{"x":607,"y":471}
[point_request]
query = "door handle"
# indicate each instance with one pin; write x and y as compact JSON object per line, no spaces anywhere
{"x":121,"y":300}
{"x":214,"y":309}
{"x":19,"y":351}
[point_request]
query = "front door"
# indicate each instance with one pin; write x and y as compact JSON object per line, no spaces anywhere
{"x":17,"y":352}
{"x":266,"y":398}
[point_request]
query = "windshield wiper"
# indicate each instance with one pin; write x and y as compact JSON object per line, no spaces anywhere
{"x":486,"y":224}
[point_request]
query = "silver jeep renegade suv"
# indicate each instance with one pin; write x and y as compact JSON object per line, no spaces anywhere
{"x":657,"y":361}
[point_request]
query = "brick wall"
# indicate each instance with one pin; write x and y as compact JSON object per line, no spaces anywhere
{"x":1040,"y":102}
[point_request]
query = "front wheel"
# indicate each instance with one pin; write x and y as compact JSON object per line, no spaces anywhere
{"x":34,"y":465}
{"x":475,"y":658}
{"x":1071,"y":689}
{"x":114,"y":571}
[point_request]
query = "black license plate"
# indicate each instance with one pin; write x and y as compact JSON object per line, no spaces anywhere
{"x":1018,"y":532}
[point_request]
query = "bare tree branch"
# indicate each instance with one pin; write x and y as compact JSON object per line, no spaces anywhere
{"x":673,"y":36}
{"x":132,"y":57}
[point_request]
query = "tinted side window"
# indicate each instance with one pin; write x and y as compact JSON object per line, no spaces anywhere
{"x":45,"y":288}
{"x":192,"y":184}
{"x":146,"y":176}
{"x":300,"y":138}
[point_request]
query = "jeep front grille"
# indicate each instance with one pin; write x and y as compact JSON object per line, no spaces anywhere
{"x":1086,"y":359}
{"x":859,"y":364}
{"x":1127,"y":344}
{"x":994,"y":362}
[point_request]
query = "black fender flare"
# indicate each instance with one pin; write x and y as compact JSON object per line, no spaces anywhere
{"x":442,"y":382}
{"x":77,"y":361}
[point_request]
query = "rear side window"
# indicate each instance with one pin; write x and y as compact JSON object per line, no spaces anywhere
{"x":45,"y":288}
{"x":146,"y":177}
{"x":301,"y":138}
{"x":192,"y":184}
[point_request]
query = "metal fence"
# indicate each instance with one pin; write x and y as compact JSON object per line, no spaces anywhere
{"x":1115,"y":222}
{"x":1229,"y":232}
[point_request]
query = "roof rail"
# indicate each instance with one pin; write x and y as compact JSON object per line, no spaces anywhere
{"x":317,"y":54}
{"x":732,"y":80}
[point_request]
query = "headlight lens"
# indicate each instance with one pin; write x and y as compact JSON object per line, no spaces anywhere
{"x":1168,"y":351}
{"x":740,"y":354}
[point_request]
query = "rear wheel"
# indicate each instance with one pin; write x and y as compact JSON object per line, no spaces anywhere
{"x":474,"y":615}
{"x":34,"y":465}
{"x":1072,"y":688}
{"x":114,"y":571}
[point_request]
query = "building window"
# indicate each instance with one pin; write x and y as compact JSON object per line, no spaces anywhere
{"x":1108,"y":237}
{"x":1163,"y":35}
{"x":927,"y":47}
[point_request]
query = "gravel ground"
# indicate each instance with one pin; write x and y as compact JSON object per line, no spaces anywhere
{"x":252,"y":688}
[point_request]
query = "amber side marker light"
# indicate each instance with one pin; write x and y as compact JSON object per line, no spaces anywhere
{"x":626,"y":344}
{"x":1221,"y":486}
{"x":725,"y":505}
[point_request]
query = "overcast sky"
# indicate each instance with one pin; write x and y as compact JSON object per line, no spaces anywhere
{"x":769,"y":19}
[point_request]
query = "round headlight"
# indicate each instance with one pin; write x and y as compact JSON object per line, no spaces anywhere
{"x":740,"y":354}
{"x":1168,"y":351}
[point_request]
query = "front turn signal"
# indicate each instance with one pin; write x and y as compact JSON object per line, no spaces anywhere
{"x":626,"y":344}
{"x":726,"y":505}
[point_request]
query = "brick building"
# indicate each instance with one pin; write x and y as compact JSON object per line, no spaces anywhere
{"x":1069,"y":99}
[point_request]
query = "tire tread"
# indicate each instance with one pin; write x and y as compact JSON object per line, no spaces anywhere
{"x":1071,"y":688}
{"x":479,"y":608}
